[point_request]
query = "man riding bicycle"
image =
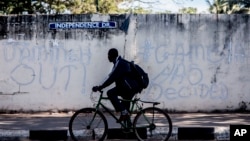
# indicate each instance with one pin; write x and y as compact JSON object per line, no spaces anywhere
{"x":126,"y":86}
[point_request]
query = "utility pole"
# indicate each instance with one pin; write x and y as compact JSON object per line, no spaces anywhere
{"x":97,"y":7}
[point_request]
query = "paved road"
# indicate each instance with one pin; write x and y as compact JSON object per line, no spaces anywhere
{"x":20,"y":124}
{"x":60,"y":120}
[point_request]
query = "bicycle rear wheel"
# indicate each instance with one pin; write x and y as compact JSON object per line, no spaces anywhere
{"x":88,"y":124}
{"x":157,"y":123}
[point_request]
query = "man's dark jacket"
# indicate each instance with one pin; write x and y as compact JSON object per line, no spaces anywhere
{"x":122,"y":76}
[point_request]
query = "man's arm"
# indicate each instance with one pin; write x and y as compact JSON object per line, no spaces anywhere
{"x":114,"y":75}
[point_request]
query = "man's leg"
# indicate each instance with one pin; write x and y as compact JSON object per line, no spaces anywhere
{"x":127,"y":96}
{"x":113,"y":97}
{"x":119,"y":107}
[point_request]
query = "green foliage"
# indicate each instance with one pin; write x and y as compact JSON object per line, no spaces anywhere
{"x":15,"y":6}
{"x":83,"y":6}
{"x":189,"y":10}
{"x":60,"y":6}
{"x":52,"y":6}
{"x":94,"y":6}
{"x":229,"y":6}
{"x":110,"y":6}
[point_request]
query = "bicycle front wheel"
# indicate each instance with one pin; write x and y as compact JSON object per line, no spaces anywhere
{"x":156,"y":122}
{"x":88,"y":124}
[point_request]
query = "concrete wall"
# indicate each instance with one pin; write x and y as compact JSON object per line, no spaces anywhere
{"x":195,"y":62}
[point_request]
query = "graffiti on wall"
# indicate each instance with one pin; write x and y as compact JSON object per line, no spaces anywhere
{"x":181,"y":76}
{"x":45,"y":64}
{"x":190,"y":59}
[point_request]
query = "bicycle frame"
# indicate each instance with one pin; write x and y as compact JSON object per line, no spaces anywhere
{"x":100,"y":104}
{"x":134,"y":106}
{"x":143,"y":119}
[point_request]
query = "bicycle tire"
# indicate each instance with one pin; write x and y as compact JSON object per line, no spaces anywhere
{"x":157,"y":123}
{"x":80,"y":128}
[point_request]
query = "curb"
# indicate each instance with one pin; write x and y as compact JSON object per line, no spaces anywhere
{"x":220,"y":133}
{"x":14,"y":133}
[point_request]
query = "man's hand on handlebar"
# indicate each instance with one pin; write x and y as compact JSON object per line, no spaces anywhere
{"x":96,"y":88}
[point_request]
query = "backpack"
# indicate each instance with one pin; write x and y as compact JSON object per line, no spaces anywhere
{"x":140,"y":75}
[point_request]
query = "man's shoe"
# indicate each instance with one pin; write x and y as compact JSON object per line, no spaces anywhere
{"x":123,"y":118}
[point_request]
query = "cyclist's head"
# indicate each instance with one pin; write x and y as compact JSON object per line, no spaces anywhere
{"x":112,"y":54}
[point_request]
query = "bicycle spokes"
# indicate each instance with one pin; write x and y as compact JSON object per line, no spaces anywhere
{"x":88,"y":123}
{"x":156,"y":122}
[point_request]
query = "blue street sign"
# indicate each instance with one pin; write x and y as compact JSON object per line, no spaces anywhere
{"x":82,"y":25}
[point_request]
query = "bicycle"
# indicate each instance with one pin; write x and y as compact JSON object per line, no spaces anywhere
{"x":92,"y":122}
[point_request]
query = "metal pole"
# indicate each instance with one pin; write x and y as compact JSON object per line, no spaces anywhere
{"x":97,"y":8}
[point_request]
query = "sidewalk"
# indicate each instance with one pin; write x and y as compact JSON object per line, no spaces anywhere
{"x":19,"y":125}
